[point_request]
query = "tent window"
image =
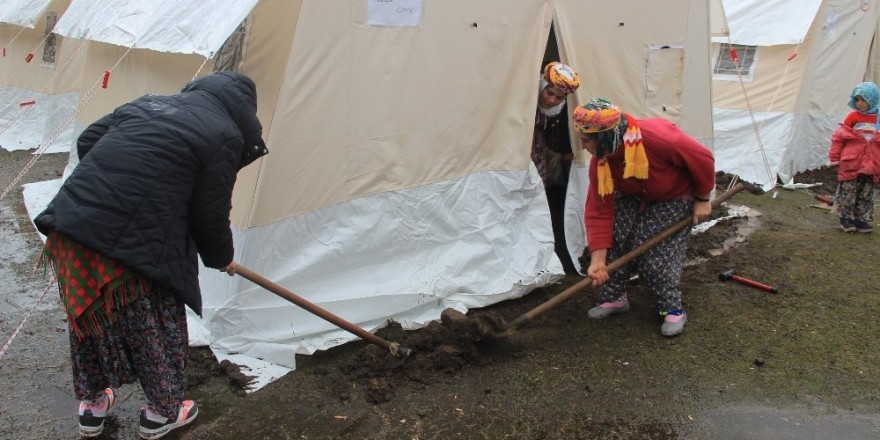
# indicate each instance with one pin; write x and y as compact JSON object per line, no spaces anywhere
{"x":725,"y":68}
{"x":50,"y":47}
{"x":230,"y":55}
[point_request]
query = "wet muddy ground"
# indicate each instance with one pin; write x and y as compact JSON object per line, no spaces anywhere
{"x":802,"y":363}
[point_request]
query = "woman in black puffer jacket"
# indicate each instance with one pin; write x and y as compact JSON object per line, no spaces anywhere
{"x":152,"y":193}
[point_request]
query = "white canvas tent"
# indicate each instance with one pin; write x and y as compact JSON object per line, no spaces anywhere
{"x":399,"y":180}
{"x":34,"y":97}
{"x":66,"y":92}
{"x":800,"y":65}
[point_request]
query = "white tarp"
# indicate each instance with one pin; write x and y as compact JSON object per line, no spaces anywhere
{"x":792,"y":142}
{"x":768,"y":22}
{"x":189,"y":27}
{"x":28,"y":126}
{"x":22,"y":13}
{"x":447,"y":254}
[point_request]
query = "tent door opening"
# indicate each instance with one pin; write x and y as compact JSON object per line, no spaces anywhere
{"x":552,"y":154}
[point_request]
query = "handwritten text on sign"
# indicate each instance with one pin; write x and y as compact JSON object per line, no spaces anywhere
{"x":394,"y":12}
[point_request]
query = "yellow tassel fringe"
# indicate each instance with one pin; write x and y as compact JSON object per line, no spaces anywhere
{"x":603,"y":175}
{"x":635,"y":159}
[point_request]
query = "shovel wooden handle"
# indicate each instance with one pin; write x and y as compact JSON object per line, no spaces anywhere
{"x":616,"y":264}
{"x":263,"y":282}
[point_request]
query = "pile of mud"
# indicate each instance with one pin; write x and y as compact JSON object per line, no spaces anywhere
{"x":442,"y":348}
{"x":204,"y":368}
{"x":457,"y":341}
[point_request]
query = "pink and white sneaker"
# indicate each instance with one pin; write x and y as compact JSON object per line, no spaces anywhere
{"x":93,"y":412}
{"x":153,"y":425}
{"x":673,"y":324}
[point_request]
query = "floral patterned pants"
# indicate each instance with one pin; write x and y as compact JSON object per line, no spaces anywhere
{"x":855,"y":199}
{"x":148,"y":343}
{"x":660,"y":267}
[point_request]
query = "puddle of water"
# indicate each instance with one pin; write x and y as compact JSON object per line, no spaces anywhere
{"x":743,"y":230}
{"x":766,"y":423}
{"x":15,"y":246}
{"x":19,"y":248}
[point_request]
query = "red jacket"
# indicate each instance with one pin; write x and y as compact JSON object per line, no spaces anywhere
{"x":678,"y":166}
{"x":855,"y":154}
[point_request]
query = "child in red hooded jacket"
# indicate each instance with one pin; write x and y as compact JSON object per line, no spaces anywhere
{"x":855,"y":148}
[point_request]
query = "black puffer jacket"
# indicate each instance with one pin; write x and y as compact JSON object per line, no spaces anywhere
{"x":154,"y":184}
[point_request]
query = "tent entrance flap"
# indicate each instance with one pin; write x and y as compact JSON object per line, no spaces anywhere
{"x":553,"y":153}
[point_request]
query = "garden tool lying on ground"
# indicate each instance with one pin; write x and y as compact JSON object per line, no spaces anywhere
{"x":261,"y":281}
{"x":731,"y":275}
{"x":624,"y":259}
{"x":828,"y":200}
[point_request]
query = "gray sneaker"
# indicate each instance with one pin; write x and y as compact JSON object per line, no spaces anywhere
{"x":862,"y":226}
{"x":607,"y":309}
{"x":673,"y":324}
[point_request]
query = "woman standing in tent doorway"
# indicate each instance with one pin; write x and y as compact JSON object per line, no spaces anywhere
{"x":551,"y":146}
{"x":855,"y":149}
{"x":659,"y":176}
{"x":152,"y":192}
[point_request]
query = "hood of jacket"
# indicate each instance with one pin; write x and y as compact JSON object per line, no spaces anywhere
{"x":238,"y":94}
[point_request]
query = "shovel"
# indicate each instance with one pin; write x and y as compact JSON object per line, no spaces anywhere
{"x":261,"y":281}
{"x":622,"y":261}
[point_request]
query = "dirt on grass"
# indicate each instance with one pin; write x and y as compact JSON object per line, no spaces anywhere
{"x":801,"y":363}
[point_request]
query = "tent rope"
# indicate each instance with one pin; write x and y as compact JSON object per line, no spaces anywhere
{"x":776,"y":93}
{"x":757,"y":127}
{"x":13,"y":39}
{"x":770,"y":107}
{"x":42,"y":92}
{"x":27,"y":59}
{"x":45,"y":145}
{"x":199,"y":70}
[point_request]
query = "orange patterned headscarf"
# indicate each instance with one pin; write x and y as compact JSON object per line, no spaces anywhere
{"x":597,"y":116}
{"x":562,"y":77}
{"x":600,"y":116}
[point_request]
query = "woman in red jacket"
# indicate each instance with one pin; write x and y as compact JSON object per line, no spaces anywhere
{"x":856,"y":149}
{"x":645,"y":175}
